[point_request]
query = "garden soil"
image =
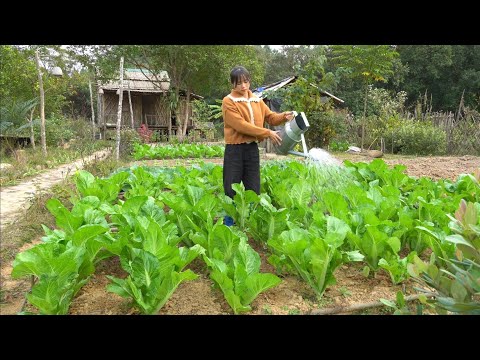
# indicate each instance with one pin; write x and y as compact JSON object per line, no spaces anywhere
{"x":291,"y":296}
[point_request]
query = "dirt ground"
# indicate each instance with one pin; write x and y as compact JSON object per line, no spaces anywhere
{"x":291,"y":296}
{"x":438,"y":167}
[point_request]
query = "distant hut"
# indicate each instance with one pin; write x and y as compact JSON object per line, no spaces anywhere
{"x":150,"y":102}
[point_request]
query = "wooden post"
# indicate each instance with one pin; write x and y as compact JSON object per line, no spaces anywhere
{"x":130,"y":102}
{"x":100,"y":115}
{"x":103,"y":117}
{"x":169,"y":128}
{"x":187,"y":115}
{"x":91,"y":106}
{"x":32,"y":134}
{"x":43,"y":137}
{"x":119,"y":112}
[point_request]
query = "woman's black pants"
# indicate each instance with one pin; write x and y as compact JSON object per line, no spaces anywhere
{"x":241,"y":163}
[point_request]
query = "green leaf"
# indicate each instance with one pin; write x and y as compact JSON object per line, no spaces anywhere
{"x":458,"y":239}
{"x":366,"y":271}
{"x":458,"y":292}
{"x":400,"y":299}
{"x":248,"y":257}
{"x":88,"y":202}
{"x":63,"y":217}
{"x":52,"y":295}
{"x":255,"y":284}
{"x":169,"y":285}
{"x":145,"y":267}
{"x":48,"y":259}
{"x":388,"y":303}
{"x":87,"y":232}
{"x":355,"y":256}
{"x":133,"y":204}
{"x":226,"y":285}
{"x":84,"y":180}
{"x":225,"y":241}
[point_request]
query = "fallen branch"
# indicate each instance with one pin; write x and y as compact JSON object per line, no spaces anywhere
{"x":356,"y":307}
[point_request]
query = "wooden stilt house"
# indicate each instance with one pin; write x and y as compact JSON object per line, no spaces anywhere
{"x":148,"y":97}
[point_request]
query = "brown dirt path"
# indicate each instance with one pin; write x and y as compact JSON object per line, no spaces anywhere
{"x":15,"y":199}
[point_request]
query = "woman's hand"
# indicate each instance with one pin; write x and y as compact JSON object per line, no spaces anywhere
{"x":276,"y":139}
{"x":289,"y":115}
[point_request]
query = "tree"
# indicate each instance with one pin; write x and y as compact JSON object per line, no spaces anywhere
{"x":432,"y":67}
{"x":18,"y":76}
{"x":289,"y":60}
{"x":371,"y":63}
{"x":42,"y":106}
{"x":192,"y":68}
{"x":15,"y":116}
{"x":305,"y":95}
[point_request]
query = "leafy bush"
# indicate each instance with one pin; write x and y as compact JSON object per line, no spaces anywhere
{"x":201,"y":111}
{"x":324,"y":126}
{"x":338,"y":146}
{"x":58,"y":130}
{"x":128,"y":137}
{"x":416,"y":138}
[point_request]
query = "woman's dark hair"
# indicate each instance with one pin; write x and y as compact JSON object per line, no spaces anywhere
{"x":239,"y":74}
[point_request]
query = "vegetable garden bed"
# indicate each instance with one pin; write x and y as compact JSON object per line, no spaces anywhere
{"x":291,"y":296}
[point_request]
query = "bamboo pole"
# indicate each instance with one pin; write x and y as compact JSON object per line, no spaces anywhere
{"x":130,"y":103}
{"x":100,"y":117}
{"x":91,"y":105}
{"x":43,"y":137}
{"x":119,"y":112}
{"x":32,"y":134}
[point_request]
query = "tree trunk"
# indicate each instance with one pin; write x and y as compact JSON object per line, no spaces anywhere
{"x":32,"y":134}
{"x":169,"y":122}
{"x":130,"y":103}
{"x":100,"y":117}
{"x":42,"y":106}
{"x":187,"y":116}
{"x":364,"y":114}
{"x":91,"y":105}
{"x":119,"y":112}
{"x":103,"y":117}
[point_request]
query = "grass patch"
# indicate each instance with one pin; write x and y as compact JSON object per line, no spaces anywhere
{"x":28,"y":162}
{"x":28,"y":226}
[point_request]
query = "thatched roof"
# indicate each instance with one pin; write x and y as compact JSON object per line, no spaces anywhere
{"x":144,"y":81}
{"x":141,"y":81}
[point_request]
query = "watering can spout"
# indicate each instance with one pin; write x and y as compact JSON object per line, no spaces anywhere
{"x":292,"y":133}
{"x":298,"y":153}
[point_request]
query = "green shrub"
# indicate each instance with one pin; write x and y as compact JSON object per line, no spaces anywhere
{"x":128,"y":137}
{"x":338,"y":146}
{"x":58,"y":130}
{"x":415,"y":138}
{"x":324,"y":126}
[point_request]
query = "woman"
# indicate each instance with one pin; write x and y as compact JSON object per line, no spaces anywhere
{"x":244,"y":115}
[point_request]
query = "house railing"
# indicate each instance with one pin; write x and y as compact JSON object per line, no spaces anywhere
{"x":155,"y":120}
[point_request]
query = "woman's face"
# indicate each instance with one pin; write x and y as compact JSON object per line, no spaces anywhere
{"x":242,"y":85}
